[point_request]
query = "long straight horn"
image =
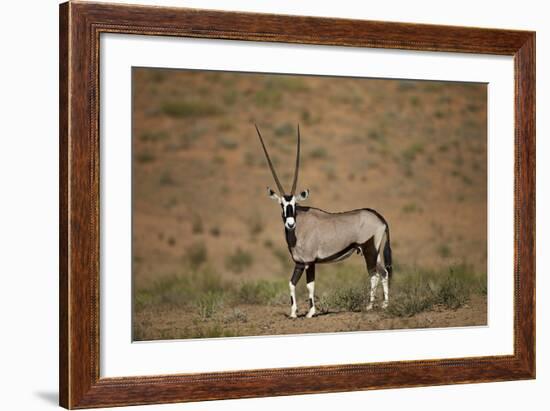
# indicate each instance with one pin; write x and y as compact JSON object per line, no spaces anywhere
{"x":295,"y":182}
{"x":279,"y":186}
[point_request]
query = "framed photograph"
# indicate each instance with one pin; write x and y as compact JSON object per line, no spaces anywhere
{"x":259,"y":205}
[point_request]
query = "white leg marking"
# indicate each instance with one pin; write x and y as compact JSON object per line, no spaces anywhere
{"x":311,"y":289}
{"x":386,"y":291}
{"x":374,"y":279}
{"x":294,"y":307}
{"x":383,"y":272}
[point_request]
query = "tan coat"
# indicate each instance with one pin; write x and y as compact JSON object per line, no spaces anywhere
{"x":321,"y":235}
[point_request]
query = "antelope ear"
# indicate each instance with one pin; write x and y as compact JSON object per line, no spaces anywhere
{"x":273,"y":195}
{"x":303,"y":195}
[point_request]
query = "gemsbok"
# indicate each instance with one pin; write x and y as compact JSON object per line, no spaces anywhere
{"x":315,"y":237}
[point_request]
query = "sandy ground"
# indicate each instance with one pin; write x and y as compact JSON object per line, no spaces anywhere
{"x":274,"y":320}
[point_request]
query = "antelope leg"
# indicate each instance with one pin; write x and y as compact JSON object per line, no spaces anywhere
{"x":381,"y":268}
{"x":310,"y":277}
{"x":386,"y":289}
{"x":298,"y":270}
{"x":374,"y":279}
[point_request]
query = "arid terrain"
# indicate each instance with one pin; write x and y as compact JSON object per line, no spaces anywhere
{"x":209,"y":253}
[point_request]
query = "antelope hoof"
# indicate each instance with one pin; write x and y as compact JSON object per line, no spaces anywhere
{"x":370,"y":306}
{"x":385,"y":305}
{"x":310,"y":313}
{"x":293,"y":314}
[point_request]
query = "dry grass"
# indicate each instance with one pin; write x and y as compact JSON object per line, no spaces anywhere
{"x":205,"y":297}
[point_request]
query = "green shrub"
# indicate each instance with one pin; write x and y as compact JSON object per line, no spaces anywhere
{"x":239,"y":261}
{"x":182,"y":290}
{"x":376,"y":136}
{"x":348,"y":299}
{"x":230,"y":97}
{"x":227,"y":143}
{"x":444,"y":250}
{"x":196,"y":108}
{"x":439,"y":114}
{"x":268,"y":98}
{"x":255,"y":224}
{"x":319,"y":153}
{"x":151,"y":136}
{"x":306,"y":116}
{"x":453,"y":292}
{"x":411,"y":152}
{"x":145,"y":157}
{"x":443,"y":148}
{"x":218,"y":160}
{"x":196,"y":224}
{"x":261,"y":292}
{"x":213,"y":331}
{"x":188,"y":139}
{"x":249,"y":159}
{"x":166,"y":179}
{"x":285,"y":129}
{"x":417,"y":291}
{"x":290,"y":83}
{"x":196,"y":255}
{"x":410,"y":208}
{"x":411,"y":298}
{"x":157,"y":76}
{"x":236,"y":316}
{"x":208,"y":304}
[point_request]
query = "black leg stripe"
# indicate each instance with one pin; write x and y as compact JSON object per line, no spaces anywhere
{"x":310,"y":273}
{"x":298,"y":270}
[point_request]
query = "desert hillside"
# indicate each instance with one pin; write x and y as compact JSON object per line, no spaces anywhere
{"x":413,"y":150}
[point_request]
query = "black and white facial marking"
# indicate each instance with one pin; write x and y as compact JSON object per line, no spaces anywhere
{"x":288,"y":206}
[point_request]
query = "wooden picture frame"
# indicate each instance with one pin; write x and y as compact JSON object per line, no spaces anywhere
{"x":80,"y":27}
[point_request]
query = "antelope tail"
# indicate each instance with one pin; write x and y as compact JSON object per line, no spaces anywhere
{"x":387,"y":254}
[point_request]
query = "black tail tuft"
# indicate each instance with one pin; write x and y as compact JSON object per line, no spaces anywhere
{"x":387,"y":255}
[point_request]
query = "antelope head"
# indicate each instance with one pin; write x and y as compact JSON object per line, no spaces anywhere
{"x":287,"y":201}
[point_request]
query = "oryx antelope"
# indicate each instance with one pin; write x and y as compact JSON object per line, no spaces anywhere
{"x":315,"y":236}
